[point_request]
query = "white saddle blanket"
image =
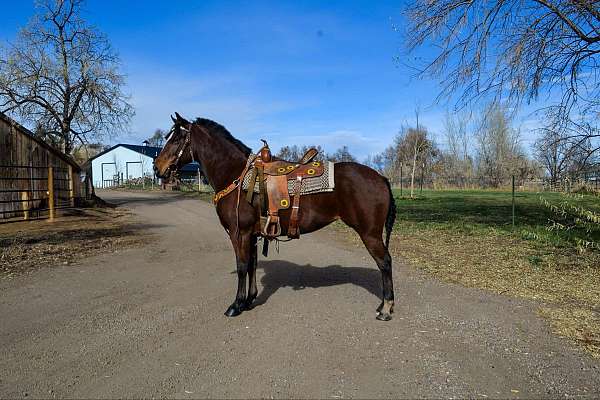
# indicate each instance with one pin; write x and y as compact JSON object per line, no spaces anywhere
{"x":317,"y":184}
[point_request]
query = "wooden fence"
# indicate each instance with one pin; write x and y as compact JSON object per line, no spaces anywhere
{"x":30,"y":192}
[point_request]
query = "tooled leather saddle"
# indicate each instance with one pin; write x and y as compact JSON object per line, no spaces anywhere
{"x":272,"y":176}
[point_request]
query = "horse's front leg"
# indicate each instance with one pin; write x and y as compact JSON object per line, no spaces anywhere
{"x":243,"y":256}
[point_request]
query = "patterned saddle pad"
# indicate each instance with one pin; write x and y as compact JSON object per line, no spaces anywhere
{"x":310,"y":185}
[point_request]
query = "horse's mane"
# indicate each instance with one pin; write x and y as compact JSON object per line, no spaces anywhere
{"x":218,"y":129}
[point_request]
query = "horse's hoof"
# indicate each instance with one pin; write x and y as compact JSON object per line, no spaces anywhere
{"x":248,"y":305}
{"x":233,"y":311}
{"x":383,"y":317}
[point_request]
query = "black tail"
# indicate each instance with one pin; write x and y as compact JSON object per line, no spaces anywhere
{"x":391,"y":216}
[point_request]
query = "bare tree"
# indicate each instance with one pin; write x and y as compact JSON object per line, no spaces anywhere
{"x":342,"y":155}
{"x":62,"y":75}
{"x":157,"y":138}
{"x":83,"y":152}
{"x":499,"y":151}
{"x":554,"y":153}
{"x":295,"y":153}
{"x":419,"y":145}
{"x":412,"y":147}
{"x":512,"y":48}
{"x":458,"y":163}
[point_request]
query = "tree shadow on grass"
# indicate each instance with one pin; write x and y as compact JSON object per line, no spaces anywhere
{"x":492,"y":209}
{"x":150,"y":198}
{"x":280,"y":274}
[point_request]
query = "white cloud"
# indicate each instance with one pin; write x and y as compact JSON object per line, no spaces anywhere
{"x":223,"y":98}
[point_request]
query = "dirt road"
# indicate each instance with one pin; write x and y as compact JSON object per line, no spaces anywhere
{"x":149,"y":322}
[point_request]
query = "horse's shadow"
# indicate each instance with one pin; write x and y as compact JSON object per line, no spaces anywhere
{"x":279,"y":274}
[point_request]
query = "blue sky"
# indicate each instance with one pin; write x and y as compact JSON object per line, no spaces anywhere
{"x":298,"y":72}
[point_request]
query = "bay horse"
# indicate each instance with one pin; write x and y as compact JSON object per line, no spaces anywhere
{"x":362,"y":199}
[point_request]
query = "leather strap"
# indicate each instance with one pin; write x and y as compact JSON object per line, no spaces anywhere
{"x":309,"y":155}
{"x":293,"y":232}
{"x":262,"y":191}
{"x":232,"y":186}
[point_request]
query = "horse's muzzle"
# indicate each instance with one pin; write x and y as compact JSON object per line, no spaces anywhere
{"x":156,"y":172}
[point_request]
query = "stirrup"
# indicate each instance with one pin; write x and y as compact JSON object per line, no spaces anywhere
{"x":266,"y":228}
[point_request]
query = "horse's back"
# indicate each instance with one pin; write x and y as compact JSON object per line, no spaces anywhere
{"x":361,"y":196}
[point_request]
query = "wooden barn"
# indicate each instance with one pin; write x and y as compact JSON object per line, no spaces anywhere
{"x":35,"y":178}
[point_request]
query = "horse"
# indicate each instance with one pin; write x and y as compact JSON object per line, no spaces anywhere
{"x":362,"y":199}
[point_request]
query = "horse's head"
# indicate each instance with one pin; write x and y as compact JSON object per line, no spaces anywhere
{"x":176,"y":151}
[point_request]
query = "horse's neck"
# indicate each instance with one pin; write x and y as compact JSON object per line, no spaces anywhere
{"x":221,"y":160}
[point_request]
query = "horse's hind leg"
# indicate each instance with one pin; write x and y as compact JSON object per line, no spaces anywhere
{"x":252,"y":289}
{"x":381,"y":255}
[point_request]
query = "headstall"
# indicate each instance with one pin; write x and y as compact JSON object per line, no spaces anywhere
{"x":186,"y":143}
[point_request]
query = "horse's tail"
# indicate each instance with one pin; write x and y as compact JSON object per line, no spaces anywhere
{"x":391,"y":215}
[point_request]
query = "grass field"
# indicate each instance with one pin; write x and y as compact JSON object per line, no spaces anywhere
{"x":467,"y":237}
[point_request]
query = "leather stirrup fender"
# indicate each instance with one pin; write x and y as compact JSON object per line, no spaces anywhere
{"x":293,"y":231}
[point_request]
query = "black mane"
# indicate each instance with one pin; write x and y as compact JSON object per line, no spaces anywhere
{"x":220,"y":130}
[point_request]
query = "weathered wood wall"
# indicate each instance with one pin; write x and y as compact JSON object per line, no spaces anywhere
{"x":24,"y":162}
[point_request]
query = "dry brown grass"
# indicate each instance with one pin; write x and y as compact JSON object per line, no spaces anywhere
{"x":28,"y":245}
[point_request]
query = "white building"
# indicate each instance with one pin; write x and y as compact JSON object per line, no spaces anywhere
{"x":124,"y":162}
{"x":121,"y":163}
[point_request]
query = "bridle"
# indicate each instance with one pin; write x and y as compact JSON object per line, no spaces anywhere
{"x":186,"y":143}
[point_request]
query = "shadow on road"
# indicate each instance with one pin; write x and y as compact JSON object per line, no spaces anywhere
{"x":120,"y":199}
{"x":279,"y":274}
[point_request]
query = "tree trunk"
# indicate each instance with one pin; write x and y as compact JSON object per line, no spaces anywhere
{"x":412,"y":174}
{"x":66,"y":138}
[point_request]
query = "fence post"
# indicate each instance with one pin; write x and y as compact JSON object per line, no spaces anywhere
{"x":422,"y":176}
{"x":51,"y":192}
{"x":25,"y":202}
{"x":400,"y":179}
{"x":513,"y":200}
{"x":71,"y":194}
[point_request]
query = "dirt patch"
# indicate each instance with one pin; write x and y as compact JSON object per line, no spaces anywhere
{"x":28,"y":245}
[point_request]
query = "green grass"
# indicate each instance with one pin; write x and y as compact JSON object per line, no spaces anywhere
{"x":488,"y":211}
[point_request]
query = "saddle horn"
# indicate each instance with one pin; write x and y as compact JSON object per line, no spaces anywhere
{"x":265,"y":152}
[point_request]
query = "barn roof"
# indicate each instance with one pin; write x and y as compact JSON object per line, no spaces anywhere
{"x":24,"y":131}
{"x":149,"y":151}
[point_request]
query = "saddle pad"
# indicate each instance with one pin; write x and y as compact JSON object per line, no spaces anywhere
{"x":317,"y":184}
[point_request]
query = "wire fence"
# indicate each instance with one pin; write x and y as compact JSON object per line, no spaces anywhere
{"x":32,"y":192}
{"x":566,"y":184}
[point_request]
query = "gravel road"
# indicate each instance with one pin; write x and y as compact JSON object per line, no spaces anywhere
{"x":148,"y":322}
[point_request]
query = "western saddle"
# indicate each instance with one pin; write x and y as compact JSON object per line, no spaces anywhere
{"x":272,"y":176}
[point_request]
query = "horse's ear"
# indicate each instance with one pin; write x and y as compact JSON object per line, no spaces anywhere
{"x":173,"y":119}
{"x":181,"y":120}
